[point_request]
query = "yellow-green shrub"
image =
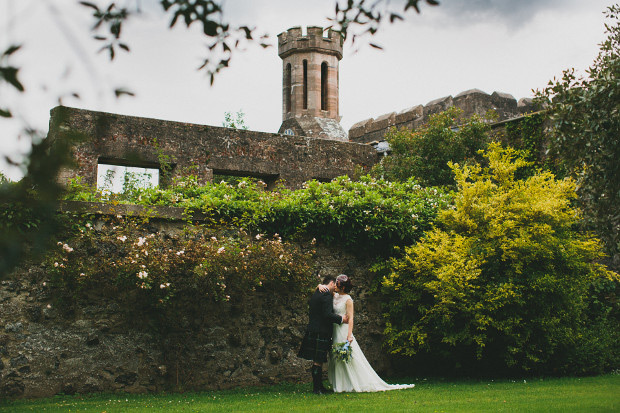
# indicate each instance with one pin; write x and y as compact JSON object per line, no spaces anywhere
{"x":505,"y":279}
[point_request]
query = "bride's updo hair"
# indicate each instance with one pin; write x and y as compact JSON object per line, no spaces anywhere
{"x":344,"y":282}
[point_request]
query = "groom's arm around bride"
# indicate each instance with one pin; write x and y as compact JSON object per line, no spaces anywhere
{"x":317,"y":341}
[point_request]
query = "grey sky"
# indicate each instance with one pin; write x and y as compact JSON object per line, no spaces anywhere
{"x":512,"y":13}
{"x":510,"y":46}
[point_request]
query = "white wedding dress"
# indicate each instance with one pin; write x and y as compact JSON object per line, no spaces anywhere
{"x":357,"y":375}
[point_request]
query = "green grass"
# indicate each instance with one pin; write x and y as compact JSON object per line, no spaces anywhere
{"x":587,"y":394}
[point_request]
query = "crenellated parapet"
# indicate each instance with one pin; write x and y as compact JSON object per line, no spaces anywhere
{"x":316,"y":39}
{"x":472,"y":102}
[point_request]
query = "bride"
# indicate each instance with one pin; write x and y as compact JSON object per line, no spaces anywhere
{"x":356,"y":375}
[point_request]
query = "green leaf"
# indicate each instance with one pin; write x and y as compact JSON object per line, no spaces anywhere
{"x":9,"y":74}
{"x":11,"y":50}
{"x":120,"y":92}
{"x":88,"y":4}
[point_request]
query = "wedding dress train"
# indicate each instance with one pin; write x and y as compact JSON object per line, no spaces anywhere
{"x":357,"y":375}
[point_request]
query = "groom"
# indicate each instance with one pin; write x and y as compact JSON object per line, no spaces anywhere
{"x":318,"y":339}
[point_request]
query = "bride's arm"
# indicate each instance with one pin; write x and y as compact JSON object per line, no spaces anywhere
{"x":350,"y":316}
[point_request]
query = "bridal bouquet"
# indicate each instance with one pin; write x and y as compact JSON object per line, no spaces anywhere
{"x":342,"y":351}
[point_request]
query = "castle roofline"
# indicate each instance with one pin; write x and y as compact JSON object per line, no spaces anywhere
{"x":293,"y":41}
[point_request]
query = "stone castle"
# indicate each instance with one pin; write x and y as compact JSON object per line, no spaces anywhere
{"x":310,"y":144}
{"x":310,"y":93}
{"x":96,"y":348}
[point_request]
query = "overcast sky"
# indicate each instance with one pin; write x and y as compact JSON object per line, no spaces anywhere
{"x":494,"y":45}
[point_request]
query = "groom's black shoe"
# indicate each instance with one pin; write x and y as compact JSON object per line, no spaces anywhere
{"x":317,"y":380}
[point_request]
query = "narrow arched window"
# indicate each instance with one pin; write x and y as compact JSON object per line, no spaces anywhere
{"x":305,"y":97}
{"x":287,"y":87}
{"x":324,"y":86}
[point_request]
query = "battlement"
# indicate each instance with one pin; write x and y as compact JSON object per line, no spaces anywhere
{"x":293,"y":41}
{"x":473,"y":101}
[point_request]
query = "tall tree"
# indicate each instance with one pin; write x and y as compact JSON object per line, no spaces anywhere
{"x":424,"y":153}
{"x":585,"y":119}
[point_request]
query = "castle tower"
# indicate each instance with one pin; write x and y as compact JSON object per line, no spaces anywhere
{"x":310,"y":83}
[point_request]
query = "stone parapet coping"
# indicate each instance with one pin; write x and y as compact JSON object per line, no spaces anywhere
{"x":471,"y":101}
{"x":106,"y":208}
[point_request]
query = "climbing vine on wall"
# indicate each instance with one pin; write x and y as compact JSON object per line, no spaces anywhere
{"x":527,"y":134}
{"x":122,"y":258}
{"x":365,"y":215}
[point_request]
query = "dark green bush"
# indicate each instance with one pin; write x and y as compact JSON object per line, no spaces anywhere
{"x":366,"y":215}
{"x":424,"y":153}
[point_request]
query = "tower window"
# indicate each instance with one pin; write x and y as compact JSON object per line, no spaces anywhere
{"x":324,"y":86}
{"x":287,"y":87}
{"x":305,"y":87}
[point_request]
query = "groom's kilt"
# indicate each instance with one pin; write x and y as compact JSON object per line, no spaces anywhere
{"x":315,"y":347}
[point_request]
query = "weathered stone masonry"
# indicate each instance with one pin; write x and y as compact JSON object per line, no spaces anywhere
{"x":472,"y":102}
{"x":98,"y":348}
{"x":135,"y":141}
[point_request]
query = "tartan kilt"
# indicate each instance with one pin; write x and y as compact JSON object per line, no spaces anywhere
{"x":315,"y":347}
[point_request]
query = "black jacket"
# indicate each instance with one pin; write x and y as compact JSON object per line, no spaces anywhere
{"x":322,"y":313}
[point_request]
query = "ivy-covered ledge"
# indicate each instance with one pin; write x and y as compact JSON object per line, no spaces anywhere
{"x":152,"y":211}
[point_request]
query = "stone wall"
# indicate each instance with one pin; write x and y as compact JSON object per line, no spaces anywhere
{"x":100,"y":347}
{"x":472,"y":102}
{"x":202,"y":150}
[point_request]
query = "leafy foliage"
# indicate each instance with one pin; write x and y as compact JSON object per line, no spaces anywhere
{"x":528,"y":136}
{"x":369,"y":15}
{"x":114,"y":18}
{"x":28,"y":208}
{"x":222,"y":37}
{"x":366,"y":215}
{"x":424,"y":153}
{"x":505,"y":280}
{"x":369,"y":214}
{"x":8,"y":74}
{"x":235,"y":121}
{"x":585,"y":118}
{"x":121,"y":258}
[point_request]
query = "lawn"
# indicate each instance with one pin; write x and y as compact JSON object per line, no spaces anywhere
{"x":586,"y":394}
